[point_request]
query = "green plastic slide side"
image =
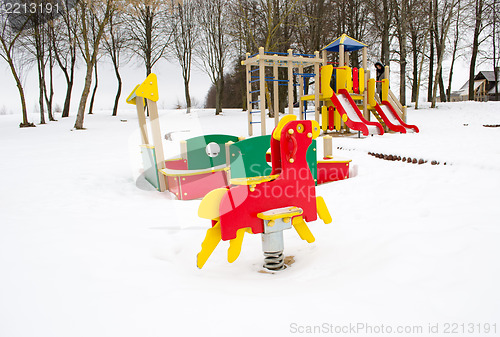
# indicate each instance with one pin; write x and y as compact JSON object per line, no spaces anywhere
{"x":248,"y":157}
{"x":198,"y":153}
{"x":150,"y":166}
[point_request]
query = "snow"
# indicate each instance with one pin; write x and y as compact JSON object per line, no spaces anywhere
{"x":88,"y":248}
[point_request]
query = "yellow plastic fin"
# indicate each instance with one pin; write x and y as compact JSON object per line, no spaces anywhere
{"x":315,"y":128}
{"x":323,"y":212}
{"x":301,"y":227}
{"x":209,"y":206}
{"x":208,"y":245}
{"x":324,"y":118}
{"x":281,"y":124}
{"x":131,"y":98}
{"x":235,"y":245}
{"x":149,"y":88}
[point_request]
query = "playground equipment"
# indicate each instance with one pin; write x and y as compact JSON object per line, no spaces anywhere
{"x":210,"y":161}
{"x":201,"y":166}
{"x":345,"y":107}
{"x":258,"y":63}
{"x":268,"y":205}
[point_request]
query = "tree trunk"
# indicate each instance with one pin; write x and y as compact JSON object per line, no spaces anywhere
{"x":41,"y":93}
{"x":20,"y":88}
{"x":118,"y":91}
{"x":91,"y":106}
{"x":219,"y":89}
{"x":83,"y":100}
{"x":414,"y":86}
{"x":49,"y":94}
{"x":475,"y":46}
{"x":431,"y":69}
{"x":67,"y":100}
{"x":188,"y":96}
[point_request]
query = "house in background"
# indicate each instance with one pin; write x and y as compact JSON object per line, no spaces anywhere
{"x":484,"y":88}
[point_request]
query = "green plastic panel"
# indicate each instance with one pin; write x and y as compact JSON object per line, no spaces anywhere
{"x":150,"y":167}
{"x":248,"y":158}
{"x":197,"y":156}
{"x":312,"y":160}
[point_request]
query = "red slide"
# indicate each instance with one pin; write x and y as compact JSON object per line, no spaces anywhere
{"x":351,"y":115}
{"x":392,"y":119}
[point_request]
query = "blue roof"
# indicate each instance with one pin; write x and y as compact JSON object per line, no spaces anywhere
{"x":349,"y":43}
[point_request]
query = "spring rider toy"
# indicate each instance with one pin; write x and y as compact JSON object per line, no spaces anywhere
{"x":269,"y":204}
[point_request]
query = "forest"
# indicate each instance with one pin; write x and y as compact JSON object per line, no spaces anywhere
{"x":417,"y":38}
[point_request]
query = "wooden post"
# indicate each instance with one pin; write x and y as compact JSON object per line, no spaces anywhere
{"x":301,"y":90}
{"x":365,"y":59}
{"x":365,"y":95}
{"x":341,"y":56}
{"x":387,"y":73}
{"x":365,"y":92}
{"x":157,"y":142}
{"x":327,"y":147}
{"x":316,"y":86}
{"x":325,"y":57}
{"x":248,"y":67}
{"x":228,"y":160}
{"x":184,"y":150}
{"x":347,"y":59}
{"x":262,"y":92}
{"x":139,"y":103}
{"x":276,"y":99}
{"x":290,"y":82}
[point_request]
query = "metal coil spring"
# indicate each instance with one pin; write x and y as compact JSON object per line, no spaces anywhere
{"x":274,"y":260}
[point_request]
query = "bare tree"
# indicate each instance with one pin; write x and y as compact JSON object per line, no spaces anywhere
{"x":448,"y":10}
{"x":382,"y":21}
{"x":89,"y":42}
{"x":9,"y":49}
{"x":400,"y":8}
{"x":115,"y":43}
{"x":185,"y":38}
{"x":478,"y":28}
{"x":147,"y":25}
{"x":64,"y":47}
{"x":214,"y":48}
{"x":456,"y":38}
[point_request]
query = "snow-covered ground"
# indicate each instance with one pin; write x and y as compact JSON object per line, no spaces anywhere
{"x":87,"y":248}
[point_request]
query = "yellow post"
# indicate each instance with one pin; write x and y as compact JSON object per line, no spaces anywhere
{"x":371,"y":92}
{"x":349,"y":78}
{"x":385,"y":89}
{"x":341,"y":78}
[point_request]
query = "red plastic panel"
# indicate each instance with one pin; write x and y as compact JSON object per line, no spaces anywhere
{"x":355,"y":80}
{"x":176,"y":164}
{"x":197,"y":186}
{"x":331,"y":120}
{"x":332,"y":172}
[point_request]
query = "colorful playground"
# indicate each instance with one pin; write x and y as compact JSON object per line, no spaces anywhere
{"x":266,"y":184}
{"x":346,"y":209}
